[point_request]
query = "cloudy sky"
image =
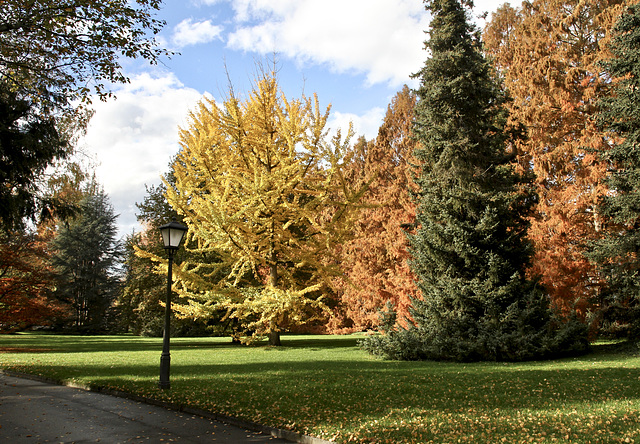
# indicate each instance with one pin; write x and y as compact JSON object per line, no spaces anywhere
{"x":355,"y":54}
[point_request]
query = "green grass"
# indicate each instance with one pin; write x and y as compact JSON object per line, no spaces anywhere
{"x":326,"y":387}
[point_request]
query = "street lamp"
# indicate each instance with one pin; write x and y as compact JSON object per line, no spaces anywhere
{"x":172,"y":234}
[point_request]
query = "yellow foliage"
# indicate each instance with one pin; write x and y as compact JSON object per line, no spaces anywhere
{"x":261,"y":189}
{"x":267,"y":310}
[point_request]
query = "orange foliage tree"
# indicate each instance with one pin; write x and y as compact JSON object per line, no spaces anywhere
{"x":26,"y":281}
{"x":548,"y":53}
{"x":375,"y":261}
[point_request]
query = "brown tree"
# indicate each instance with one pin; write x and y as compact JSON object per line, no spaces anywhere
{"x":548,"y":53}
{"x":375,"y":262}
{"x":26,"y":283}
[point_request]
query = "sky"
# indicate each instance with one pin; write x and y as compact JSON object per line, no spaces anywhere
{"x":355,"y":54}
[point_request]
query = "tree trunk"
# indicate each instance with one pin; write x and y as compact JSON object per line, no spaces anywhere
{"x":274,"y":338}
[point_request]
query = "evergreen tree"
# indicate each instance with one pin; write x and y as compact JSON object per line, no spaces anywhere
{"x":470,"y":251}
{"x":86,"y":261}
{"x":617,"y":253}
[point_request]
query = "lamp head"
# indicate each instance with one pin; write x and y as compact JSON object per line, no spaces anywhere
{"x":172,"y":234}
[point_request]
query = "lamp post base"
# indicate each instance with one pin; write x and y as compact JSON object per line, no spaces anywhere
{"x":165,"y":362}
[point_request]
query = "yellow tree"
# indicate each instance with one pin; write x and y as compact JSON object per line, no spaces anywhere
{"x":548,"y":53}
{"x":260,"y":186}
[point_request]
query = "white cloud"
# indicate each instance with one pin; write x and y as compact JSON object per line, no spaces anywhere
{"x":135,"y":137}
{"x":382,"y":38}
{"x":189,"y":33}
{"x":366,"y":125}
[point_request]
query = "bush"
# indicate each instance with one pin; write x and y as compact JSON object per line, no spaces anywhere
{"x":510,"y":341}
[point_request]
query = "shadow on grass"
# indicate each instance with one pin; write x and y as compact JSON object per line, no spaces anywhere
{"x":44,"y":343}
{"x":615,"y":348}
{"x":373,"y":387}
{"x":317,"y":381}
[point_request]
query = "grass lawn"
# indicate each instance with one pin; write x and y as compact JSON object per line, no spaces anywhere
{"x":326,"y":387}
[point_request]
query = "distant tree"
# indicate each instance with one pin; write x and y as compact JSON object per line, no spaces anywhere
{"x":470,"y":251}
{"x":26,"y":283}
{"x":140,"y":302}
{"x":86,"y":260}
{"x":548,"y":53}
{"x":617,"y":253}
{"x":263,"y":194}
{"x":376,"y":260}
{"x":144,"y":289}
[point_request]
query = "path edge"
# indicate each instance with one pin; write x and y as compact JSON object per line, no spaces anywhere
{"x":289,"y":435}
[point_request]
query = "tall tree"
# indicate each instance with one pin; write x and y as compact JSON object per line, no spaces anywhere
{"x":29,"y":143}
{"x":86,"y":259}
{"x":548,"y":53}
{"x":376,"y":260}
{"x":470,"y":251}
{"x":53,"y":57}
{"x":617,"y":253}
{"x":263,"y":193}
{"x":57,"y":52}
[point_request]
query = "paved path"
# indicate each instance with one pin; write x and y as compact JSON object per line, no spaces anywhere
{"x":36,"y":412}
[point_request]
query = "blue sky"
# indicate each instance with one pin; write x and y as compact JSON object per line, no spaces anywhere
{"x":355,"y":54}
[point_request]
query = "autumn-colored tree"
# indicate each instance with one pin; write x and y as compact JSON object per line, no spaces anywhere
{"x":262,"y":192}
{"x":375,"y":261}
{"x":26,"y":283}
{"x":548,"y":53}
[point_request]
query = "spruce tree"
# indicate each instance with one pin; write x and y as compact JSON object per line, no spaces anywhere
{"x":87,"y":260}
{"x":470,"y":250}
{"x":617,"y":253}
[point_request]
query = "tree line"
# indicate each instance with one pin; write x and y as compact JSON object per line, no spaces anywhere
{"x":493,"y":217}
{"x":59,"y":264}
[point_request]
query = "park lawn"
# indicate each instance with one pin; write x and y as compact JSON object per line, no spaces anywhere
{"x":325,"y":386}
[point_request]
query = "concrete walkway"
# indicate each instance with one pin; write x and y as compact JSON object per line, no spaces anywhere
{"x":37,"y":412}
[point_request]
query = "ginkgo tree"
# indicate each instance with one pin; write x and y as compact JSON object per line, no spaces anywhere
{"x":260,"y":185}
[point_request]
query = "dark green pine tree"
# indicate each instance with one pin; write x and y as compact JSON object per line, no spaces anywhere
{"x":617,"y":253}
{"x":87,"y":262}
{"x":470,"y":250}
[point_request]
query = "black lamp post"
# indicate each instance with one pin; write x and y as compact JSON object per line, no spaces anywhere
{"x":172,"y":234}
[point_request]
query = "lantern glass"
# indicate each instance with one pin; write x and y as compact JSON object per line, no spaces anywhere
{"x":172,"y":234}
